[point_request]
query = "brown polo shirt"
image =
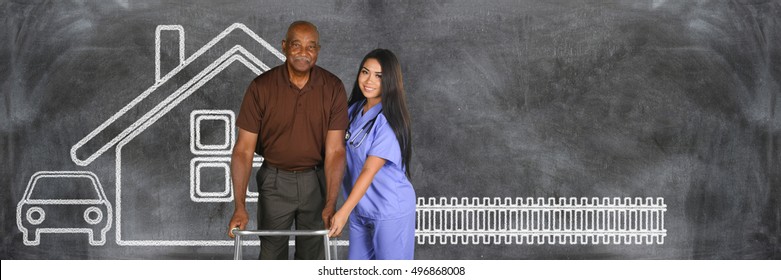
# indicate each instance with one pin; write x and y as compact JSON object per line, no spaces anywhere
{"x":292,"y":123}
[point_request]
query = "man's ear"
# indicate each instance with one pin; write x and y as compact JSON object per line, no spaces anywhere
{"x":284,"y":46}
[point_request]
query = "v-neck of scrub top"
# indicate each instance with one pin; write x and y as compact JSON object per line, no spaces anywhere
{"x":362,"y":118}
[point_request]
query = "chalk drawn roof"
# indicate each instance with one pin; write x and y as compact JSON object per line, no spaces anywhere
{"x":163,"y":96}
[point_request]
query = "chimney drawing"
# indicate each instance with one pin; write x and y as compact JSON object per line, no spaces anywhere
{"x":173,"y":57}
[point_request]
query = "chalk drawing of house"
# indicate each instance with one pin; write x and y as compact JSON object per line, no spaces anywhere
{"x":173,"y":141}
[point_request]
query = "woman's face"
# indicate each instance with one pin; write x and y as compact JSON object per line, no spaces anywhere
{"x":370,"y":79}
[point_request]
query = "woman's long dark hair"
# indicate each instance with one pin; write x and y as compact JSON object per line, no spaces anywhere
{"x":394,"y":101}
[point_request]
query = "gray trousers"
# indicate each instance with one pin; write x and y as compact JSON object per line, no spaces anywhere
{"x":285,"y":197}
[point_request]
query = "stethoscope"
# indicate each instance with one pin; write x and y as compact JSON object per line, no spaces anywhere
{"x":350,"y":138}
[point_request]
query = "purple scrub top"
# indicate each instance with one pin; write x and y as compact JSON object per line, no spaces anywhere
{"x":391,"y":194}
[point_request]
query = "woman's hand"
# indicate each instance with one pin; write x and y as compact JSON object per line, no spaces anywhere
{"x":337,"y":223}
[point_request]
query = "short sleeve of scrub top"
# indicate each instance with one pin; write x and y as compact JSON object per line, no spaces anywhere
{"x":385,"y":144}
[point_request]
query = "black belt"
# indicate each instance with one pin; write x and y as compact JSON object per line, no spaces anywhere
{"x":278,"y":170}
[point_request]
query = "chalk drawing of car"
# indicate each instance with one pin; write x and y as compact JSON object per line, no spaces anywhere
{"x":64,"y":202}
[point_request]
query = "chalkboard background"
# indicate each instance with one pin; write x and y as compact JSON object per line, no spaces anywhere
{"x":670,"y":99}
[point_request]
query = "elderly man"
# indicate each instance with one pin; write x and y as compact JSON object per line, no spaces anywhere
{"x":294,"y":115}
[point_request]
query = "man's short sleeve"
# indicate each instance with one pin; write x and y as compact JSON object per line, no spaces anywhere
{"x":250,"y":113}
{"x":339,"y":119}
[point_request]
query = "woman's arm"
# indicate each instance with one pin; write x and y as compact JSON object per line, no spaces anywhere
{"x":370,"y":168}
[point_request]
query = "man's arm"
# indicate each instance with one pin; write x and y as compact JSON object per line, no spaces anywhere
{"x":334,"y":172}
{"x":241,"y":167}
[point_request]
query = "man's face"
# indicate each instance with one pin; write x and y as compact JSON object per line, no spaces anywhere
{"x":301,"y":48}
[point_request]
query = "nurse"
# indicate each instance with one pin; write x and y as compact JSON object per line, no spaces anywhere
{"x":380,"y":200}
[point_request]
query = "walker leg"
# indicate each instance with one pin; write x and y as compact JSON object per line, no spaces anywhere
{"x":336,"y":246}
{"x":327,"y":248}
{"x":237,"y":248}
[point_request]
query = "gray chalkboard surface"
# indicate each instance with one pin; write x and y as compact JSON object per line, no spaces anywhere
{"x":542,"y":129}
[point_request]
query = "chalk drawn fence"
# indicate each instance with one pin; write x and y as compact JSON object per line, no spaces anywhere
{"x":541,"y":220}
